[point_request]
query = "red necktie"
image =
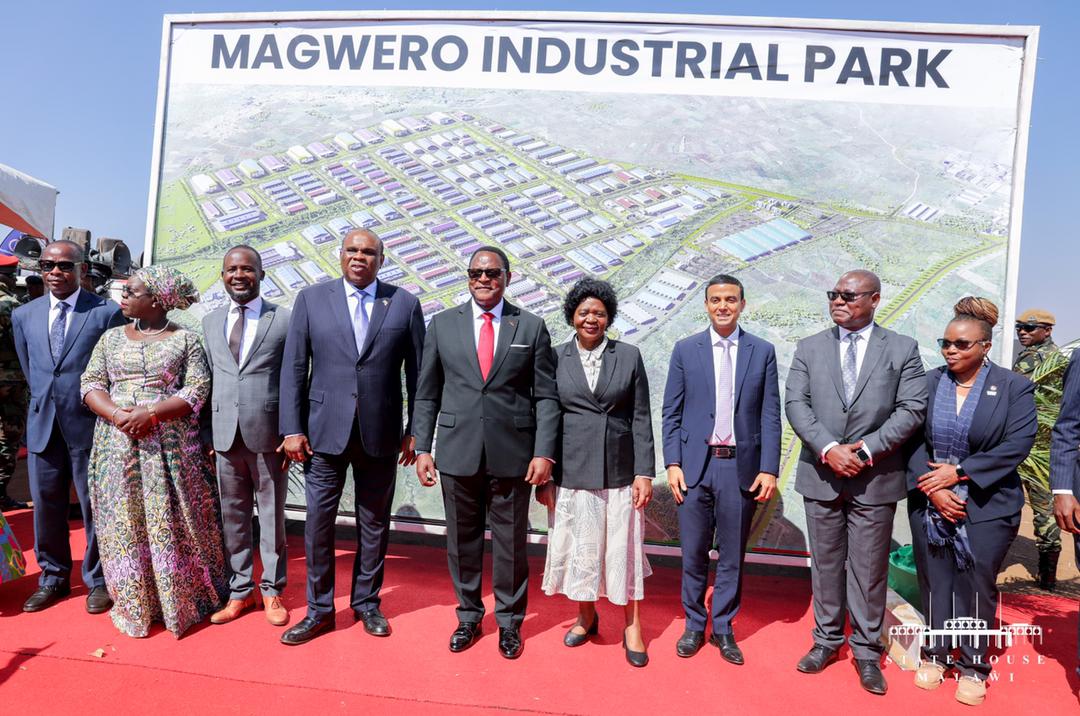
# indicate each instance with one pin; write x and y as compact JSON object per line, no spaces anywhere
{"x":485,"y":349}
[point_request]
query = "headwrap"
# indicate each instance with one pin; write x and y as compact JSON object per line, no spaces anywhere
{"x":171,"y":288}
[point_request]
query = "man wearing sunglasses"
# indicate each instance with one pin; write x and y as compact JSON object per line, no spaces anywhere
{"x":12,"y":385}
{"x":54,"y":336}
{"x":488,"y":381}
{"x":1034,"y":331}
{"x":855,"y":393}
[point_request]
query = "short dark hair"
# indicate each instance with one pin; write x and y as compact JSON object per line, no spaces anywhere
{"x":245,"y":247}
{"x":590,"y":288}
{"x":492,"y":250}
{"x":723,"y":279}
{"x":77,"y":249}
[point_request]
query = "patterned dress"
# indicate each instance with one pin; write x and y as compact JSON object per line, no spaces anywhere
{"x":12,"y":562}
{"x":155,"y":499}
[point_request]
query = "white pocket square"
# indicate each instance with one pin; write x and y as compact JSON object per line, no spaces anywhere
{"x":519,"y":345}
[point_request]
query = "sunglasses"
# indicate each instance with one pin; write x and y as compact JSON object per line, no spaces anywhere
{"x":848,"y":296}
{"x":66,"y":266}
{"x":128,"y":293}
{"x":1029,"y":327}
{"x":492,"y":273}
{"x":961,"y":344}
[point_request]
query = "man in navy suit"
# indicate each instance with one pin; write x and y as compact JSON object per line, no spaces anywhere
{"x":1065,"y":458}
{"x":721,"y":435}
{"x":356,"y":336}
{"x":54,"y":337}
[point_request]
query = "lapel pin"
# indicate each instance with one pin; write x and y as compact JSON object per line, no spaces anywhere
{"x":386,"y":302}
{"x":992,"y":391}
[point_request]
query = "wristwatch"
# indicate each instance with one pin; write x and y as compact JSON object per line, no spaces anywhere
{"x":960,"y":473}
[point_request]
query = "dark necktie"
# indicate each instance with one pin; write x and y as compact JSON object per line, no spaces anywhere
{"x":850,"y":372}
{"x":236,"y":336}
{"x":56,"y":332}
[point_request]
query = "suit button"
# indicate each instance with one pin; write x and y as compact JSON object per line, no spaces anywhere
{"x":56,"y":373}
{"x":483,"y":391}
{"x":236,"y":403}
{"x":239,"y":378}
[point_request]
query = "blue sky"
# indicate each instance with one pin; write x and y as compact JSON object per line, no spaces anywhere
{"x":79,"y":83}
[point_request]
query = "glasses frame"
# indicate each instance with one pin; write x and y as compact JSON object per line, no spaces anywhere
{"x":1030,"y":327}
{"x":47,"y":265}
{"x":945,"y":344}
{"x":855,"y":295}
{"x":491,"y":273}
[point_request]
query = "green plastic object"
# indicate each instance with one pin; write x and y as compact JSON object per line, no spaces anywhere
{"x":902,"y":577}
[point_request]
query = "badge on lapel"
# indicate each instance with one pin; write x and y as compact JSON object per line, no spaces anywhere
{"x":386,"y":302}
{"x":991,"y":392}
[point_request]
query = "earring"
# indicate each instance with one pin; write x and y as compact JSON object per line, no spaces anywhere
{"x":986,"y":359}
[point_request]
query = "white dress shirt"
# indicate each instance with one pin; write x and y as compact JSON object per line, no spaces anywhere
{"x":860,"y":353}
{"x":591,"y":361}
{"x":253,"y":309}
{"x":54,"y":310}
{"x":365,"y":296}
{"x":717,"y":350}
{"x":478,"y":320}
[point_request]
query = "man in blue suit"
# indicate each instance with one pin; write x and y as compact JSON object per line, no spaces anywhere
{"x":54,"y":337}
{"x":721,"y":435}
{"x":1065,"y":459}
{"x":356,"y":336}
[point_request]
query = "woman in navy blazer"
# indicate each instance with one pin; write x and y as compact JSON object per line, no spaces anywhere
{"x":964,"y":494}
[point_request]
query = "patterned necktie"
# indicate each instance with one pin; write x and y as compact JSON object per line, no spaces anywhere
{"x":360,"y":322}
{"x":236,"y":335}
{"x":485,"y":348}
{"x":722,"y":425}
{"x":56,"y":332}
{"x":851,"y":371}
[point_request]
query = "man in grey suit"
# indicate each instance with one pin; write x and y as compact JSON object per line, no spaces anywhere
{"x":1065,"y":459}
{"x":488,"y":380}
{"x":244,"y":345}
{"x":855,"y":393}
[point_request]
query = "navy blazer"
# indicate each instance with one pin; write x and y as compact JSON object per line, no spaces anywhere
{"x":1001,"y":435}
{"x":690,"y":404}
{"x":1065,"y":439}
{"x":55,"y":393}
{"x":343,"y":387}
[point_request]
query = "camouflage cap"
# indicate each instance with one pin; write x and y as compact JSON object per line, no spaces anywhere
{"x":9,"y":264}
{"x":1036,"y":315}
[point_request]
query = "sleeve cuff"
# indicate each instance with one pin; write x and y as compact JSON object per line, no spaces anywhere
{"x":827,"y":448}
{"x":1062,"y":492}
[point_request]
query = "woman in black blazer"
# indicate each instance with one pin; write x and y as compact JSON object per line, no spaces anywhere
{"x":604,"y":471}
{"x":964,"y":494}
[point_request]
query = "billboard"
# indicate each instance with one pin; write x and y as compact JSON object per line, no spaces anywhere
{"x":653,"y":151}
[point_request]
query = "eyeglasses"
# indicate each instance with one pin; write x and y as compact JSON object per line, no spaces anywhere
{"x":1029,"y":327}
{"x":128,"y":293}
{"x":848,"y":296}
{"x":960,"y":345}
{"x":492,"y":273}
{"x":66,"y":266}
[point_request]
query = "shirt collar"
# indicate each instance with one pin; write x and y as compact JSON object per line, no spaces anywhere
{"x":863,"y":332}
{"x":70,"y":300}
{"x":254,"y":306}
{"x":733,"y":339}
{"x":368,"y":290}
{"x":595,"y":351}
{"x":496,"y":310}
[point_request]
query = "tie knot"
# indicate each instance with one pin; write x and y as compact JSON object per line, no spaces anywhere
{"x":853,"y":337}
{"x":63,"y":306}
{"x":488,"y":317}
{"x":241,"y":309}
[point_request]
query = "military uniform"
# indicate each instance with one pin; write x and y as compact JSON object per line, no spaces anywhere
{"x":1029,"y":359}
{"x":13,"y":393}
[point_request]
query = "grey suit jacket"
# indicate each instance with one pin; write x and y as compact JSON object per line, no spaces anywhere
{"x":888,"y":406}
{"x":607,"y":435}
{"x":245,"y":396}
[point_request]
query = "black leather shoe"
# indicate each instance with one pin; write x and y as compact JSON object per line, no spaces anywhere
{"x":689,"y":643}
{"x":510,"y":644}
{"x":307,"y":630}
{"x":870,"y":676}
{"x":45,"y":597}
{"x":634,"y":658}
{"x":8,"y":503}
{"x":465,"y":635}
{"x":729,"y":650}
{"x":374,"y":622}
{"x":98,"y":601}
{"x":572,"y":639}
{"x":816,"y":659}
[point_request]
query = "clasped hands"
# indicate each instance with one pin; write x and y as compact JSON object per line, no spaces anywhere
{"x":135,"y":422}
{"x":936,"y":485}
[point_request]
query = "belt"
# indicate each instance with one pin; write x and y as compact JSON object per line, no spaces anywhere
{"x":724,"y":452}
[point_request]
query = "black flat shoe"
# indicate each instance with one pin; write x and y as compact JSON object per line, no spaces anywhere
{"x":44,"y":597}
{"x":307,"y":630}
{"x":510,"y":644}
{"x":572,"y":639}
{"x":870,"y":676}
{"x":374,"y":622}
{"x":465,"y":636}
{"x":98,"y":601}
{"x":689,"y":643}
{"x":729,"y":650}
{"x":634,"y":658}
{"x":816,"y":659}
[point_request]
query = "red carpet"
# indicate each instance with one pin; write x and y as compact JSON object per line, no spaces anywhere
{"x":47,"y":665}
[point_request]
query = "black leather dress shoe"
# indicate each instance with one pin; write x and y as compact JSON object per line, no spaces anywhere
{"x":689,"y":643}
{"x":816,"y":659}
{"x":465,"y":635}
{"x":510,"y":644}
{"x":8,"y":503}
{"x":870,"y":676}
{"x":98,"y":601}
{"x":729,"y":650}
{"x":45,"y":597}
{"x":374,"y":622}
{"x":572,"y":639}
{"x":307,"y":630}
{"x":634,"y":658}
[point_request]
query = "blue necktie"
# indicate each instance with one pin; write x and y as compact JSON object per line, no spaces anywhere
{"x":56,"y":332}
{"x":360,"y":322}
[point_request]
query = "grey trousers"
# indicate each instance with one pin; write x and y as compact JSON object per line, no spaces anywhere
{"x":849,"y":549}
{"x":247,"y":478}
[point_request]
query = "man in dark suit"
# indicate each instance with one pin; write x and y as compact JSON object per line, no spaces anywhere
{"x":54,"y":337}
{"x":356,"y":336}
{"x":488,"y":381}
{"x":721,"y":430}
{"x":245,"y":341}
{"x":1065,"y":460}
{"x":855,"y":393}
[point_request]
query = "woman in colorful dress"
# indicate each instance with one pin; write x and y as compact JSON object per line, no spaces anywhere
{"x":12,"y":561}
{"x":151,"y":484}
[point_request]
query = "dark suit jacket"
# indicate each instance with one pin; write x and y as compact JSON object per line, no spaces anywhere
{"x":344,"y":387}
{"x":888,"y":407}
{"x":1064,"y":442}
{"x":690,"y":407}
{"x":607,"y":436}
{"x":55,"y":394}
{"x":1001,"y":435}
{"x":508,"y":419}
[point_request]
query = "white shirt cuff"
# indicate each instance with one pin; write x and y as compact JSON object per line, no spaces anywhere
{"x":827,"y":448}
{"x":1062,"y":492}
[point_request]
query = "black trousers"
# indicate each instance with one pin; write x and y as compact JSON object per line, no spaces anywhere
{"x":374,"y":479}
{"x":470,"y":501}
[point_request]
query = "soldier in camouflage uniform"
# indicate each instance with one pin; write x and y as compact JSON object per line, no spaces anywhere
{"x":1033,"y":330}
{"x":12,"y":385}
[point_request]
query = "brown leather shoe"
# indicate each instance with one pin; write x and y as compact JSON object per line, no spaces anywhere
{"x":276,"y":613}
{"x":233,"y":609}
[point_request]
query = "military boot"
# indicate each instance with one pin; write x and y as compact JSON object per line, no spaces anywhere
{"x":1048,"y":562}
